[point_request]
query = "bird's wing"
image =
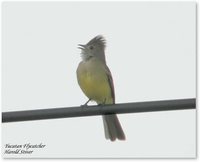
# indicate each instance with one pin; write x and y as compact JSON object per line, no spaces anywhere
{"x":110,"y":80}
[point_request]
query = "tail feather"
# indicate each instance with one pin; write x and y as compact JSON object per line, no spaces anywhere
{"x":112,"y":128}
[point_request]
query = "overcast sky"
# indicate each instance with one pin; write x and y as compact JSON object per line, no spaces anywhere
{"x":150,"y":52}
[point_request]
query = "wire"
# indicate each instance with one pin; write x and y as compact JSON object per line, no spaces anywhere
{"x":66,"y":112}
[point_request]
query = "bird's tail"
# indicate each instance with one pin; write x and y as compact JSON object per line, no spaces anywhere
{"x":112,"y":128}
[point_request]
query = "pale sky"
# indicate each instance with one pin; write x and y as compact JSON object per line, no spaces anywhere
{"x":150,"y":52}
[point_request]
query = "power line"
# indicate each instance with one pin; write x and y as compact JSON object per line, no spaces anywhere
{"x":66,"y":112}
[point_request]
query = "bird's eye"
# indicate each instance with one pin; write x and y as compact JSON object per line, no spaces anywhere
{"x":91,"y":47}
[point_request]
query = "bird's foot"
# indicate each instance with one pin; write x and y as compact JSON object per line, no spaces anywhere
{"x":85,"y":105}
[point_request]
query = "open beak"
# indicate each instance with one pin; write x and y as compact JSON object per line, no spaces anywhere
{"x":81,"y":46}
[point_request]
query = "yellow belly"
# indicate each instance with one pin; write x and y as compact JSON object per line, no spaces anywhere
{"x":94,"y":83}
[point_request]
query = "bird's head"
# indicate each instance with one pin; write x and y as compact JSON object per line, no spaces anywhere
{"x":94,"y":48}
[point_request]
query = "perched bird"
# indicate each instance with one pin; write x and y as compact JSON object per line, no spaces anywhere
{"x":95,"y":80}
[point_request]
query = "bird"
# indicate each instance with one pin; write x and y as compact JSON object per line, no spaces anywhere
{"x":95,"y":80}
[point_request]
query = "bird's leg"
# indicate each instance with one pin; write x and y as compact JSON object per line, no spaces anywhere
{"x":104,"y":101}
{"x":86,"y":103}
